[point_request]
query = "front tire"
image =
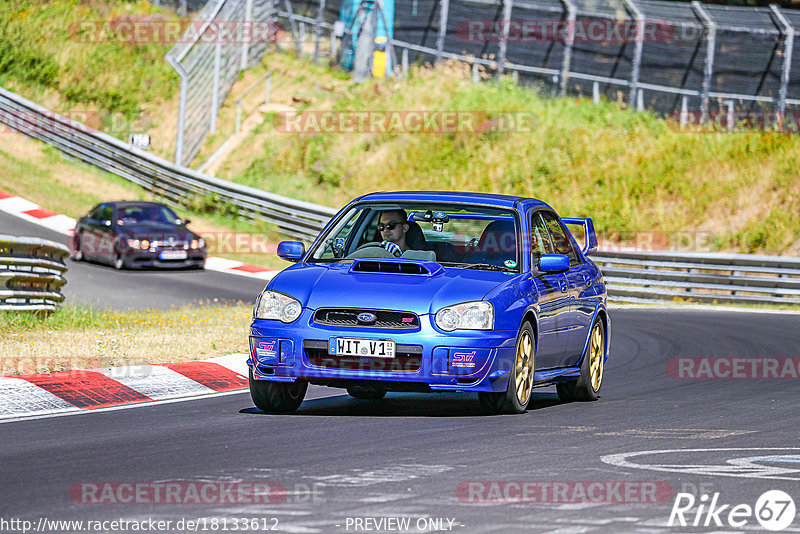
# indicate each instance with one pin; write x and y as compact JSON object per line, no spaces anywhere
{"x":119,"y":263}
{"x":587,"y":387}
{"x":520,"y":381}
{"x":277,"y":396}
{"x":77,"y":254}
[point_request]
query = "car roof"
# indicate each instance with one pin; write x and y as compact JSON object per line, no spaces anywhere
{"x":492,"y":199}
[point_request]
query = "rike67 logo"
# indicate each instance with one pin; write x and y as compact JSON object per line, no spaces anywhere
{"x":774,"y":510}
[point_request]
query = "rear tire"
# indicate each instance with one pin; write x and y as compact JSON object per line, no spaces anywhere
{"x":587,"y":387}
{"x":277,"y":396}
{"x":520,"y":380}
{"x":366,"y":392}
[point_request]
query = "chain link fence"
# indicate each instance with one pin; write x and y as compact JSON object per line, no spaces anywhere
{"x":226,"y":37}
{"x":670,"y":57}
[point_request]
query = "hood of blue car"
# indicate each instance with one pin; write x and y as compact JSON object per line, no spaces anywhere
{"x":324,"y":285}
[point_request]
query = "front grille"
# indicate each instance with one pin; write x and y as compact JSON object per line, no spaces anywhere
{"x":408,"y":359}
{"x":349,"y":317}
{"x":178,"y":245}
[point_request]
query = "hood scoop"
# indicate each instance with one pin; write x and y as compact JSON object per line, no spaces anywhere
{"x":396,"y":266}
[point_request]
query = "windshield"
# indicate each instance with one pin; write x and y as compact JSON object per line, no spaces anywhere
{"x":147,"y":215}
{"x":455,"y":235}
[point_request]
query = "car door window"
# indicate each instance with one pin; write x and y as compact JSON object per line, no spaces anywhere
{"x":105,"y":213}
{"x":540,"y":239}
{"x":95,"y":213}
{"x":560,"y":239}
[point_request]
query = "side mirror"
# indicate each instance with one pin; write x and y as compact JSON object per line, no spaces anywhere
{"x":186,"y":221}
{"x":291,"y":250}
{"x":554,"y":263}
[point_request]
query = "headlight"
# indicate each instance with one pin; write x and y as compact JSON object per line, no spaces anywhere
{"x":274,"y":305}
{"x":145,"y":244}
{"x":477,"y":315}
{"x":133,"y":243}
{"x":195,"y":244}
{"x":202,"y":243}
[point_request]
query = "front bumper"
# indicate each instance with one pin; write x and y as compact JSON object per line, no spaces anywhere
{"x":427,"y":359}
{"x":141,"y":259}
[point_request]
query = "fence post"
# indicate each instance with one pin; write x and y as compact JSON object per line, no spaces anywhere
{"x":731,"y":118}
{"x":595,"y":92}
{"x":786,"y":67}
{"x":565,"y":65}
{"x":405,"y":62}
{"x":637,"y":50}
{"x":248,"y":19}
{"x":444,"y":7}
{"x":212,"y":127}
{"x":708,"y":69}
{"x":181,"y":114}
{"x":318,"y":30}
{"x":501,"y":56}
{"x":293,"y":24}
{"x":684,"y":111}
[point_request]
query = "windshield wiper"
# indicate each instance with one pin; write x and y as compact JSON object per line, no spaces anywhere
{"x":478,"y":266}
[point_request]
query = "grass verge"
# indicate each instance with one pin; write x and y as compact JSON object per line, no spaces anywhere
{"x":77,"y":337}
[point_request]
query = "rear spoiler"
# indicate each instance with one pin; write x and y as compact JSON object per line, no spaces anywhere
{"x":589,"y":236}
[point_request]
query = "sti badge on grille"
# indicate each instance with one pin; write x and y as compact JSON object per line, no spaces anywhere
{"x":367,"y":318}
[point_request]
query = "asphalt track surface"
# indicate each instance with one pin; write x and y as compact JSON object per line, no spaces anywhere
{"x":104,"y":287}
{"x":347,"y":463}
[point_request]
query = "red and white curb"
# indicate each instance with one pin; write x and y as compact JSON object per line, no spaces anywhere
{"x":27,"y":210}
{"x":74,"y":391}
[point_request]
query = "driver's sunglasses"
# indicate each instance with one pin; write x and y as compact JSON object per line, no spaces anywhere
{"x":389,"y":226}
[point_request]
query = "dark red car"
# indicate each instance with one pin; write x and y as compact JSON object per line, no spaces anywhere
{"x":134,"y":235}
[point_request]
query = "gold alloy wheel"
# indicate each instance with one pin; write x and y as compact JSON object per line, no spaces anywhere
{"x":524,"y":365}
{"x":596,"y":356}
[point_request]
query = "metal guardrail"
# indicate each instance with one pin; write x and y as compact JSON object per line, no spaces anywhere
{"x":700,"y":277}
{"x":31,"y":273}
{"x":173,"y":183}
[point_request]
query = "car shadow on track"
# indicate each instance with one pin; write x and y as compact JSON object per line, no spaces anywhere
{"x":404,"y":405}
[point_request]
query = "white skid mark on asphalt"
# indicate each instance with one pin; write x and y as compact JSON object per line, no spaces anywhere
{"x":398,"y":473}
{"x":737,"y":466}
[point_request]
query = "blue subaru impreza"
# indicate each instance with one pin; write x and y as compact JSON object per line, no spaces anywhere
{"x":434,"y":291}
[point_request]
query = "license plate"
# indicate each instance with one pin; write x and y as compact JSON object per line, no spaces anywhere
{"x":172,"y":255}
{"x":367,"y":348}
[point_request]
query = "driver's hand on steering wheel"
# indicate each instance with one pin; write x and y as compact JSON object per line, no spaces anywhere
{"x":394,"y":248}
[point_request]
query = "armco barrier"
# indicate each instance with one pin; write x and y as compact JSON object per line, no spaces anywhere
{"x":31,"y":273}
{"x":173,"y":183}
{"x":700,"y":277}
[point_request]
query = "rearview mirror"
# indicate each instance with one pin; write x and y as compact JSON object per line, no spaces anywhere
{"x":554,"y":263}
{"x":291,"y":250}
